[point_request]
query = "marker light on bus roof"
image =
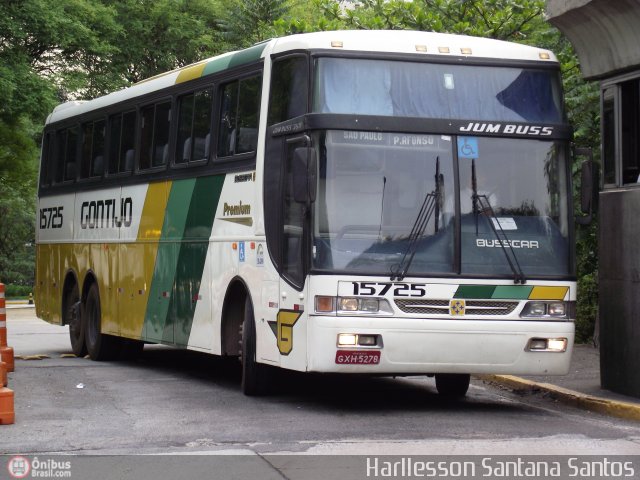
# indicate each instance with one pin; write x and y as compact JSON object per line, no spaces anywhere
{"x":337,"y":44}
{"x":421,"y":48}
{"x":466,"y":51}
{"x":544,"y":56}
{"x":443,"y":49}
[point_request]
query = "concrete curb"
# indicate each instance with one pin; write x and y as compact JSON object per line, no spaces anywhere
{"x":615,"y":408}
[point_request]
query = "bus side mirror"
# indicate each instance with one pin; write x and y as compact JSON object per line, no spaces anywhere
{"x":304,"y":170}
{"x":589,"y":182}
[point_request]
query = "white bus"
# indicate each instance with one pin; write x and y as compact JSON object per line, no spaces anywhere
{"x":360,"y":202}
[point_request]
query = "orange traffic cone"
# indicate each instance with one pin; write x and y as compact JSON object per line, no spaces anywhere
{"x":4,"y":380}
{"x":7,"y":413}
{"x":5,"y":351}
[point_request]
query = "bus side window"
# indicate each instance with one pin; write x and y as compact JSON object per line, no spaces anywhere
{"x":128,"y":143}
{"x":194,"y":126}
{"x":289,"y":89}
{"x":70,"y":169}
{"x":146,"y":136}
{"x":115,"y":131}
{"x":239,"y":116}
{"x":87,"y":139}
{"x":92,"y":161}
{"x":48,"y":155}
{"x":122,"y":138}
{"x":97,"y":150}
{"x":66,"y":153}
{"x":154,"y":135}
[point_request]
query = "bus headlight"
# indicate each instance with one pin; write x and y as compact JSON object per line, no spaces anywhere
{"x":359,"y":340}
{"x":352,"y":305}
{"x":557,"y":309}
{"x":547,"y":310}
{"x":348,"y":304}
{"x":556,"y":345}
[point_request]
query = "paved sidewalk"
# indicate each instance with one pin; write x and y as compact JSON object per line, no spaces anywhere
{"x":580,"y":387}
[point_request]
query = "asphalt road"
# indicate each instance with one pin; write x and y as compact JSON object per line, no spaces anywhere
{"x":171,"y":401}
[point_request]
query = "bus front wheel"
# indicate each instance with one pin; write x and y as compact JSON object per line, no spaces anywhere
{"x":99,"y":345}
{"x":454,"y":385}
{"x":255,"y":376}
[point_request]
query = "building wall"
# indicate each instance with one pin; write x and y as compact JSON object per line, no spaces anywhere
{"x":606,"y":35}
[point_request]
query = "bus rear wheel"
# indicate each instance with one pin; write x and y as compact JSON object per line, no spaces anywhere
{"x":255,"y":376}
{"x":73,"y":317}
{"x":453,"y":385}
{"x":99,"y":345}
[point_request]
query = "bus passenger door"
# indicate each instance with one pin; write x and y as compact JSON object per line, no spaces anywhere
{"x":291,"y":323}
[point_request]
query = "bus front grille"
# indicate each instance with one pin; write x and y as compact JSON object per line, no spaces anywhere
{"x":441,"y":307}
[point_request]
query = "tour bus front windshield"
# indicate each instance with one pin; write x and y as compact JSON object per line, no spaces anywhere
{"x":436,"y":90}
{"x":372,"y":187}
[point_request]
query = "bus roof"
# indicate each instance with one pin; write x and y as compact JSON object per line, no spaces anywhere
{"x":384,"y":41}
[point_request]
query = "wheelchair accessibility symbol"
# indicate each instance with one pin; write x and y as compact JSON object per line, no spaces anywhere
{"x":467,"y":147}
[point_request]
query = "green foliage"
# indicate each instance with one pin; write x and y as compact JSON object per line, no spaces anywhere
{"x":17,"y":291}
{"x":250,"y":21}
{"x":500,"y":19}
{"x":156,"y":36}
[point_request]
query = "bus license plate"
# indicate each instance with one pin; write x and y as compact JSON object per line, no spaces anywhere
{"x":358,"y":357}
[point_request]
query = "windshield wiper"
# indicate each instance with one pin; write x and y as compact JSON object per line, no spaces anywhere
{"x":430,"y":204}
{"x":481,"y":203}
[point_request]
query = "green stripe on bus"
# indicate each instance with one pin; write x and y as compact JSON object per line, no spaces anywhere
{"x":162,"y":286}
{"x":217,"y":65}
{"x":475,"y":291}
{"x":191,"y":258}
{"x":249,"y":55}
{"x":512,"y":292}
{"x":245,"y":56}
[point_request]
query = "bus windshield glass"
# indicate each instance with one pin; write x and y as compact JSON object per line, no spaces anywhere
{"x":373,"y":185}
{"x":433,"y":90}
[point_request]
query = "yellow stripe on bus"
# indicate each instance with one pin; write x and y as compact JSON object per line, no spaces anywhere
{"x":191,"y":73}
{"x":548,"y":293}
{"x":138,"y":261}
{"x":153,"y":211}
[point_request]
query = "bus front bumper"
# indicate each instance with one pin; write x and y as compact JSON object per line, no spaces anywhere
{"x":428,"y":346}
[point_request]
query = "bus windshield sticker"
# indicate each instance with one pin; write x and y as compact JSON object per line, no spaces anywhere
{"x":505,"y":223}
{"x":467,"y":147}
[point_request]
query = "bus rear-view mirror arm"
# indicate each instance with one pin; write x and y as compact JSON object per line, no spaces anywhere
{"x":589,"y":182}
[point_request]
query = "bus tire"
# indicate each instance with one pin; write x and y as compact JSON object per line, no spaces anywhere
{"x":99,"y":345}
{"x":255,"y":376}
{"x":73,"y":317}
{"x":453,"y":385}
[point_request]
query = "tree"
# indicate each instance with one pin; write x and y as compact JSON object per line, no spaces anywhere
{"x":42,"y":45}
{"x":157,"y":36}
{"x":250,"y":21}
